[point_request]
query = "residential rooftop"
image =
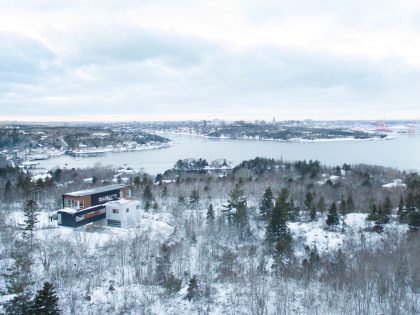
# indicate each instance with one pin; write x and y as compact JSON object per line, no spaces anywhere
{"x":96,"y":190}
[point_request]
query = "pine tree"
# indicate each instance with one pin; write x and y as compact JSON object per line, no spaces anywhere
{"x":267,"y":203}
{"x":309,"y":198}
{"x":350,"y":204}
{"x":414,"y":221}
{"x":343,"y":207}
{"x":7,"y":190}
{"x":293,"y":212}
{"x":277,"y":229}
{"x":192,"y":291}
{"x":46,"y":301}
{"x":194,"y":199}
{"x":31,"y":219}
{"x":210,"y":213}
{"x":164,"y":192}
{"x":373,"y":211}
{"x":17,"y":279}
{"x":401,"y":209}
{"x":181,"y":200}
{"x":332,"y":217}
{"x":147,"y":206}
{"x":21,"y":304}
{"x":136,"y":181}
{"x":387,"y":205}
{"x":147,"y":194}
{"x":321,"y":204}
{"x":312,"y":213}
{"x":236,"y":209}
{"x":378,"y":215}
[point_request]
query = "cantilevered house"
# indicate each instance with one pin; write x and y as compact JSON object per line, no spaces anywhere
{"x":96,"y":204}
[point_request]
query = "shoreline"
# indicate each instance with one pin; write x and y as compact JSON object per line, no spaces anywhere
{"x":291,"y":140}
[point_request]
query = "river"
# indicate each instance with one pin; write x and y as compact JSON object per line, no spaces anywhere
{"x":402,"y":153}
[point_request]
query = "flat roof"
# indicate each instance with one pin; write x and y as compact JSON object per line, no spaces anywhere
{"x":96,"y":190}
{"x":122,"y":202}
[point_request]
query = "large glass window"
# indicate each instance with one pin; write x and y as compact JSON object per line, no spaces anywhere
{"x":114,"y":223}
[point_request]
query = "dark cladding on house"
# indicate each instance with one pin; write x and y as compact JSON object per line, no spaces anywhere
{"x":87,"y":206}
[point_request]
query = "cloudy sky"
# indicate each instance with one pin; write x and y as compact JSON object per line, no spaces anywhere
{"x":231,"y":59}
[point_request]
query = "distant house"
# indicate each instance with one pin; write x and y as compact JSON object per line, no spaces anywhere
{"x":97,"y":205}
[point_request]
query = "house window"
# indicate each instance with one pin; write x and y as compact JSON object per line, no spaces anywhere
{"x":115,"y":211}
{"x":114,"y":223}
{"x":127,"y":210}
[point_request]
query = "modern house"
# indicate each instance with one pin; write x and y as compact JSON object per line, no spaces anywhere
{"x":98,"y":204}
{"x":122,"y":212}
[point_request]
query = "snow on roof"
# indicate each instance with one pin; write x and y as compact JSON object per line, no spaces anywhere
{"x":395,"y":183}
{"x":122,"y":201}
{"x":68,"y":210}
{"x":42,"y":177}
{"x":96,"y":190}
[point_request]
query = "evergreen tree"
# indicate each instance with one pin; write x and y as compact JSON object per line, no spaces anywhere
{"x":350,"y":204}
{"x":46,"y":301}
{"x":401,"y":209}
{"x":147,"y":194}
{"x":387,"y":205}
{"x":267,"y":203}
{"x":192,"y":291}
{"x":312,"y":213}
{"x":210,"y":213}
{"x":164,"y":192}
{"x":7,"y":190}
{"x":31,"y":219}
{"x":378,"y":215}
{"x":277,"y":229}
{"x":343,"y":207}
{"x":181,"y":200}
{"x":293,"y":211}
{"x":373,"y":211}
{"x":194,"y":199}
{"x":21,"y":304}
{"x":163,"y":265}
{"x":17,"y":279}
{"x":136,"y":181}
{"x":172,"y":284}
{"x":147,"y":206}
{"x":332,"y":217}
{"x":321,"y":204}
{"x":309,"y":198}
{"x":236,"y":209}
{"x":414,"y":221}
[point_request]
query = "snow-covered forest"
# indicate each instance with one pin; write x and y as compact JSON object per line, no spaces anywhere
{"x":271,"y":237}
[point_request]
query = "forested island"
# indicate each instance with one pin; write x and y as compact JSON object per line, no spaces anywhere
{"x":265,"y":237}
{"x":278,"y":131}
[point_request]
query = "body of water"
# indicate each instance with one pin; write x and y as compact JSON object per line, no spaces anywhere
{"x":402,"y":153}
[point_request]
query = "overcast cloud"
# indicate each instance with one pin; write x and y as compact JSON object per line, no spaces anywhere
{"x":161,"y":60}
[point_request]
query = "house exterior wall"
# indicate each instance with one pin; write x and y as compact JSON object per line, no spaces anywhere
{"x":116,"y":211}
{"x":85,"y":200}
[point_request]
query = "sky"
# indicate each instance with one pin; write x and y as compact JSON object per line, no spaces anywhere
{"x":113,"y":60}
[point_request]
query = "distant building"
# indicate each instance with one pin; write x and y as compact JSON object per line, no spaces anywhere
{"x":110,"y":205}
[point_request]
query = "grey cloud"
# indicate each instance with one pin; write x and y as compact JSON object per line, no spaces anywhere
{"x":22,"y":59}
{"x":134,"y":44}
{"x":139,"y":71}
